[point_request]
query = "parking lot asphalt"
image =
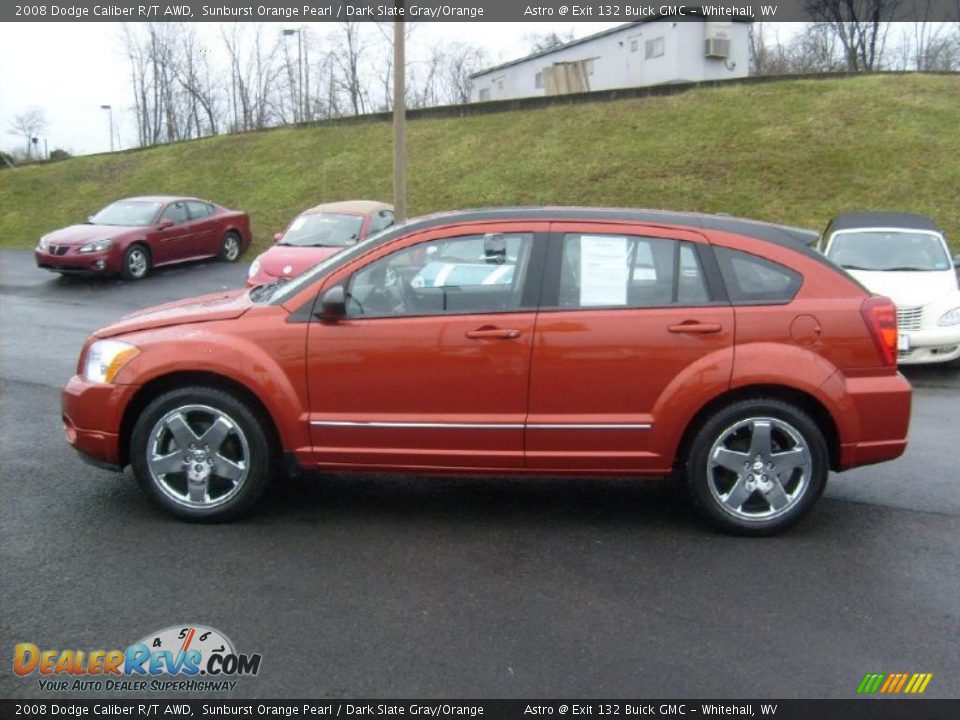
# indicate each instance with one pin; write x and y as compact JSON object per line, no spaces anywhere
{"x":472,"y":588}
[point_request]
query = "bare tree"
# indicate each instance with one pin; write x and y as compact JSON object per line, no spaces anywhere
{"x":28,"y":125}
{"x":347,"y":58}
{"x":540,"y":42}
{"x":462,"y":61}
{"x":860,"y":25}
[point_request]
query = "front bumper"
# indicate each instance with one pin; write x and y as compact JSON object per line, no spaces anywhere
{"x":931,"y":345}
{"x":92,"y":418}
{"x":96,"y":263}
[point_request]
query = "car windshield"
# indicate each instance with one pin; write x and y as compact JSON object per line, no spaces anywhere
{"x":323,"y":229}
{"x":129,"y":213}
{"x":281,"y":293}
{"x":889,"y":251}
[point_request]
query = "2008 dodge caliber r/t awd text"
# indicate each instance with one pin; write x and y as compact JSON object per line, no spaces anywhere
{"x":555,"y":341}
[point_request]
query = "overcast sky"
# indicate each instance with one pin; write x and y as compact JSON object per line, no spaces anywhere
{"x":70,"y":69}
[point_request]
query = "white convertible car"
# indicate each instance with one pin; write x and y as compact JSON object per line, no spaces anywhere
{"x":906,"y":258}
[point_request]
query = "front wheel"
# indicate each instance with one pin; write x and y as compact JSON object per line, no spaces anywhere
{"x":136,"y":262}
{"x":201,"y":454}
{"x":230,"y":247}
{"x":757,"y":466}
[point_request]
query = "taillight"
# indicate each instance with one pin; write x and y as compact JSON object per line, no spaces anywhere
{"x":880,"y":315}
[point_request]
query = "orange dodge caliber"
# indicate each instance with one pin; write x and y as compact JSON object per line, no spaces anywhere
{"x":548,"y":341}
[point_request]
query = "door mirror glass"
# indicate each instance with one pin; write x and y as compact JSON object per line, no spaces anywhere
{"x":277,"y":237}
{"x":333,"y":304}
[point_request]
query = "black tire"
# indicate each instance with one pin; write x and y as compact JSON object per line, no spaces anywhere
{"x":244,"y":444}
{"x":136,"y":262}
{"x":230,"y":247}
{"x":736,"y":433}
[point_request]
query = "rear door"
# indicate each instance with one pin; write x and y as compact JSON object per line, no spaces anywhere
{"x":206,"y":228}
{"x":634,"y":331}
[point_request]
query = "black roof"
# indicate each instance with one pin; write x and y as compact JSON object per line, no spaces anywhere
{"x":792,"y":237}
{"x":864,"y":220}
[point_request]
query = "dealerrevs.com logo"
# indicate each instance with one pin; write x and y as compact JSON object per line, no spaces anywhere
{"x":186,"y":658}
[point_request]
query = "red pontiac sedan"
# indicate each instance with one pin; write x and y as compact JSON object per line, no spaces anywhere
{"x":316,"y":234}
{"x":131,"y":236}
{"x":565,"y":341}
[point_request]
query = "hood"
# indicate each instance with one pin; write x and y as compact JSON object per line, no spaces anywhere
{"x":909,"y":289}
{"x":216,"y":306}
{"x":277,"y":259}
{"x":82,"y":234}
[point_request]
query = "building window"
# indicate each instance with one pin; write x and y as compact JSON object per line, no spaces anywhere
{"x":588,"y":66}
{"x":538,"y":81}
{"x":484,"y":94}
{"x":634,"y":45}
{"x":654,"y":48}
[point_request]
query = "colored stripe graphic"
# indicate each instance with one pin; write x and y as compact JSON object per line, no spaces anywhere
{"x":894,"y":683}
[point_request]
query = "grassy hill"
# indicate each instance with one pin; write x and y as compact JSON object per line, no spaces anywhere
{"x":794,"y":151}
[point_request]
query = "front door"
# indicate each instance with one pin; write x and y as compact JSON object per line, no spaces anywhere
{"x":631,"y":335}
{"x":429,"y":369}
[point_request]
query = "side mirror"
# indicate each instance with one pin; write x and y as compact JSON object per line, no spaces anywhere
{"x":164,"y":224}
{"x":333,"y":304}
{"x":277,"y":237}
{"x":956,"y":261}
{"x":90,"y":219}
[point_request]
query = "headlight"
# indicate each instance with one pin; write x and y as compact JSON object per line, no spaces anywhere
{"x":951,"y":317}
{"x":105,"y":358}
{"x":96,"y":246}
{"x":44,"y":244}
{"x":254,"y":268}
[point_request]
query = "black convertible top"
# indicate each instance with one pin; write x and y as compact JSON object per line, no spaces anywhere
{"x":867,"y":220}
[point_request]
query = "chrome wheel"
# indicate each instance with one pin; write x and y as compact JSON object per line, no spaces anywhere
{"x":198,"y":456}
{"x":137,"y":262}
{"x":759,"y":468}
{"x":231,"y":247}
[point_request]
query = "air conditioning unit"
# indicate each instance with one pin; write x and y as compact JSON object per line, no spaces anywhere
{"x":717,"y":36}
{"x":716,"y":47}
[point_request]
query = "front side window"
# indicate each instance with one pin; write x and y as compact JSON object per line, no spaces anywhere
{"x":889,"y":251}
{"x":629,"y":271}
{"x":462,"y":275}
{"x":753,"y":280}
{"x":380,"y":221}
{"x":177,"y":212}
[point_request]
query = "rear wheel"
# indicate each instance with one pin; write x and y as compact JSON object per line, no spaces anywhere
{"x":757,"y":466}
{"x":201,"y":454}
{"x":230,"y":247}
{"x":136,"y":262}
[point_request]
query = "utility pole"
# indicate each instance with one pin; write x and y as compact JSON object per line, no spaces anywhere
{"x":399,"y":121}
{"x":109,"y":109}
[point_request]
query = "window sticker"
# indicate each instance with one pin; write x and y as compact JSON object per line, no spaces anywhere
{"x":603,"y":270}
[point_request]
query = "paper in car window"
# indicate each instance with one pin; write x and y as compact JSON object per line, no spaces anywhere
{"x":603,"y":270}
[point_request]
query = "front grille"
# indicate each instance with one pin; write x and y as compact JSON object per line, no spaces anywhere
{"x":909,"y":318}
{"x":59,"y":249}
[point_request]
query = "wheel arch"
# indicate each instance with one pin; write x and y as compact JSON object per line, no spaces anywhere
{"x":171,"y":381}
{"x":803,"y":400}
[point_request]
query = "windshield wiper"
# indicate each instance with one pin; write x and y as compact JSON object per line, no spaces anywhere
{"x":907,"y":269}
{"x":265,"y":292}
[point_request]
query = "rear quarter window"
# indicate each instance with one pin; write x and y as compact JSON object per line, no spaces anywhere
{"x":753,"y":280}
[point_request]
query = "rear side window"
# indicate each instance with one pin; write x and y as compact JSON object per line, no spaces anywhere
{"x":198,"y":209}
{"x":629,"y":271}
{"x":753,"y":280}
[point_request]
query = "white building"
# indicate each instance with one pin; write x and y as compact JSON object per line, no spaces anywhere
{"x":650,"y":52}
